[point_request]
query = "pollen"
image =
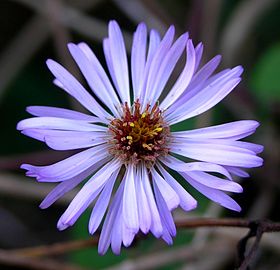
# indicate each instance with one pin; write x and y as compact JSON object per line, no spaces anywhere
{"x":140,"y":134}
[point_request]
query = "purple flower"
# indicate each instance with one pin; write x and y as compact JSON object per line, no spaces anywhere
{"x":128,"y":139}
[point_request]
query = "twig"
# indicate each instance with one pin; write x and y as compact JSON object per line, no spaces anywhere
{"x":20,"y":50}
{"x":257,"y":228}
{"x":38,"y":158}
{"x":24,"y":45}
{"x":267,"y":226}
{"x":138,"y":12}
{"x":11,"y":260}
{"x":156,"y":260}
{"x":240,"y":26}
{"x":56,"y":249}
{"x":61,"y":36}
{"x":213,"y":222}
{"x":157,"y":10}
{"x":18,"y":187}
{"x":78,"y":21}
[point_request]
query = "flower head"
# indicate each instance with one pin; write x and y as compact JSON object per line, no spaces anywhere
{"x":128,"y":139}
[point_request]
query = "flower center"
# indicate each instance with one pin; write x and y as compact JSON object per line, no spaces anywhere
{"x":139,"y":136}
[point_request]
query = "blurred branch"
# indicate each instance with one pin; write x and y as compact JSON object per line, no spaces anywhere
{"x":257,"y":228}
{"x":158,"y":259}
{"x":38,"y":158}
{"x":20,"y":187}
{"x":209,"y":25}
{"x":203,"y":25}
{"x":61,"y":37}
{"x":78,"y":21}
{"x":21,"y":49}
{"x":56,"y":249}
{"x":267,"y":226}
{"x":157,"y":10}
{"x":8,"y":259}
{"x":29,"y":39}
{"x":137,"y":11}
{"x":240,"y":26}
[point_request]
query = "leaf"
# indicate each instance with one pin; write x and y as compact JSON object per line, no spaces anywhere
{"x":265,"y":79}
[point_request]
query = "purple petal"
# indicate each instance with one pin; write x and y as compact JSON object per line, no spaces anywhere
{"x":130,"y":210}
{"x":61,"y":113}
{"x":156,"y":226}
{"x":184,"y":78}
{"x":138,"y":58}
{"x":75,"y":89}
{"x":205,"y":99}
{"x":87,"y":194}
{"x":106,"y":232}
{"x":218,"y":153}
{"x":40,"y":134}
{"x":169,"y":59}
{"x":167,"y":237}
{"x":198,"y":55}
{"x":156,"y":62}
{"x":116,"y":235}
{"x":170,"y":196}
{"x":76,"y":140}
{"x":68,"y":185}
{"x":115,"y":54}
{"x":92,"y":77}
{"x":214,"y":194}
{"x":244,"y":146}
{"x":101,"y":72}
{"x":153,"y":46}
{"x":178,"y":165}
{"x":224,"y":131}
{"x":165,"y":214}
{"x":58,"y":123}
{"x":187,"y":202}
{"x":69,"y":167}
{"x":212,"y":181}
{"x":101,"y":204}
{"x":127,"y":235}
{"x":144,"y":213}
{"x":197,"y":82}
{"x":237,"y":171}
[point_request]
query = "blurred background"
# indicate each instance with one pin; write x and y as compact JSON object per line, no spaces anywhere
{"x":245,"y":32}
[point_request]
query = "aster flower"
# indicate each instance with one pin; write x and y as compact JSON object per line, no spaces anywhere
{"x":131,"y":153}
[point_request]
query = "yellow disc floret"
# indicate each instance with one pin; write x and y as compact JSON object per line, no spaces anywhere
{"x":139,"y":135}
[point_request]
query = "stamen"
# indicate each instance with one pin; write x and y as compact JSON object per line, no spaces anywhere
{"x":139,"y":136}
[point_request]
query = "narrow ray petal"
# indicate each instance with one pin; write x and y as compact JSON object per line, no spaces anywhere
{"x":75,"y":89}
{"x":92,"y":77}
{"x":61,"y":113}
{"x":187,"y":202}
{"x":144,"y":213}
{"x":58,"y":123}
{"x":184,"y":78}
{"x":87,"y":194}
{"x":212,"y":181}
{"x":130,"y":210}
{"x":213,"y":194}
{"x":178,"y":165}
{"x":224,"y":131}
{"x":68,"y":167}
{"x":170,"y":196}
{"x":101,"y":204}
{"x":65,"y":186}
{"x":138,"y":58}
{"x":116,"y":56}
{"x":218,"y":153}
{"x":156,"y":226}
